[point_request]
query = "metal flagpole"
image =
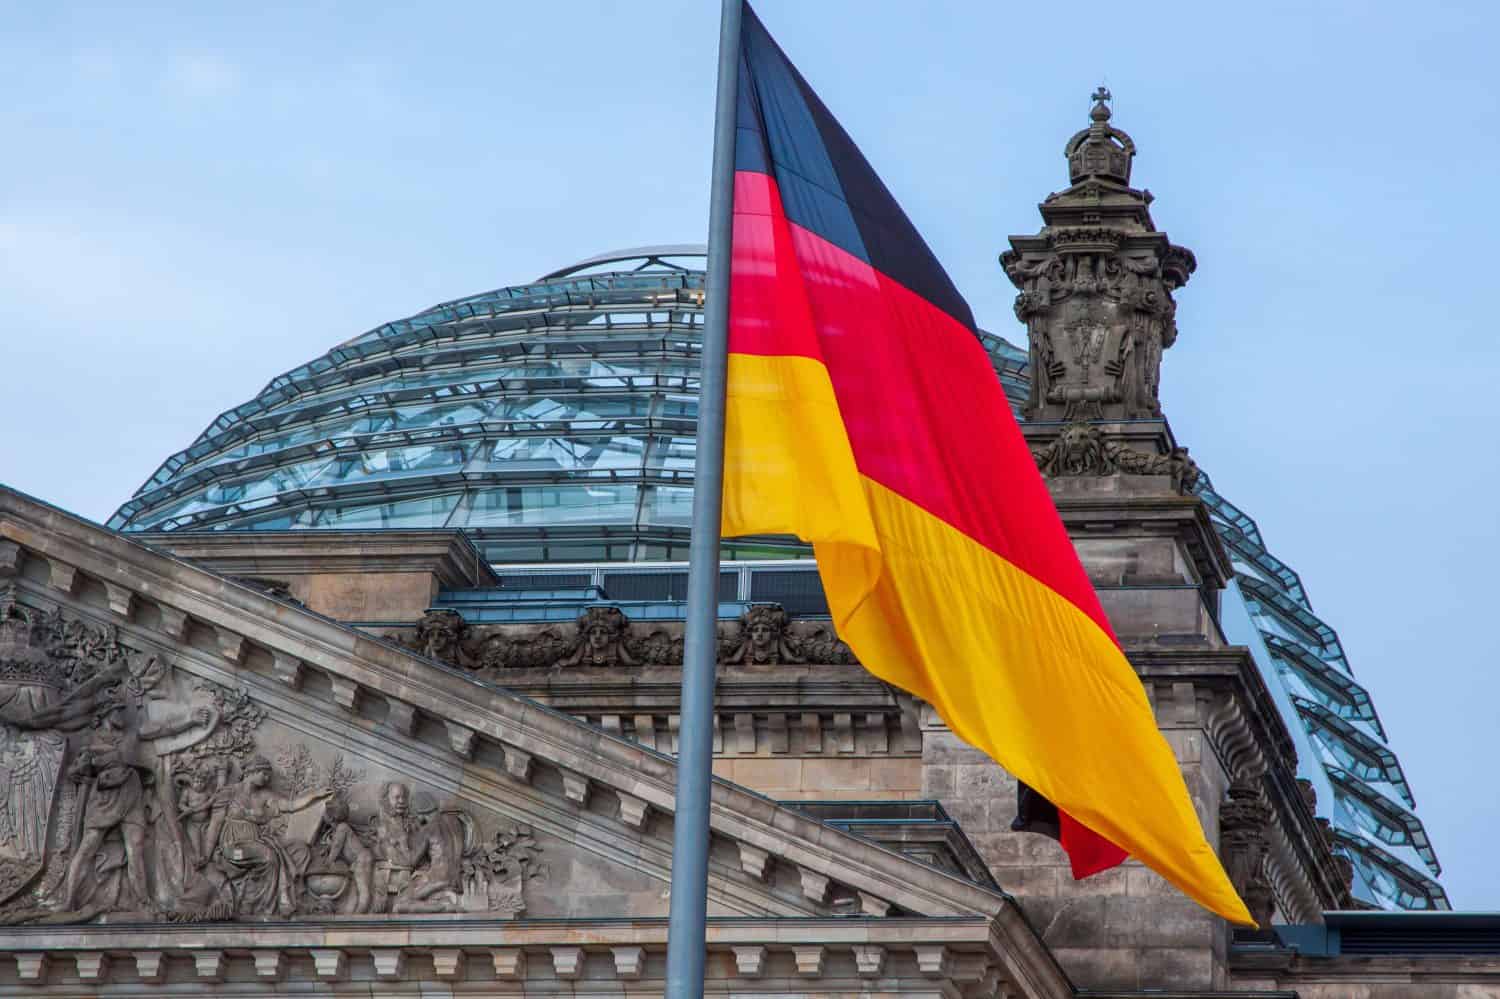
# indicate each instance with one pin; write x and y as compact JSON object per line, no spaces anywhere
{"x":687,"y":931}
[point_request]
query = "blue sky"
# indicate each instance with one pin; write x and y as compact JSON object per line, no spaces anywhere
{"x":196,"y":197}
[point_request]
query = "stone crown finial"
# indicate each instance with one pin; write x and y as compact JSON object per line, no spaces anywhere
{"x":1100,"y":110}
{"x":1100,"y":150}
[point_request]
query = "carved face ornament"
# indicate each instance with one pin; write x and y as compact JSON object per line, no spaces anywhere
{"x":396,"y":799}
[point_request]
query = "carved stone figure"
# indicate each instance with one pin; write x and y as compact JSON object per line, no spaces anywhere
{"x":424,"y":857}
{"x":264,"y":870}
{"x":443,"y":635}
{"x":393,"y":832}
{"x":195,"y":801}
{"x":443,"y":838}
{"x":335,"y":846}
{"x":1095,"y":286}
{"x":439,"y":636}
{"x":601,"y":639}
{"x":1078,"y":450}
{"x":1244,"y":821}
{"x":1081,"y":448}
{"x":763,"y":638}
{"x":112,"y":799}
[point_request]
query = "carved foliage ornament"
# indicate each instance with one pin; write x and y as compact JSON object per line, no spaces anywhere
{"x":604,"y":637}
{"x":1082,"y":449}
{"x":131,"y":791}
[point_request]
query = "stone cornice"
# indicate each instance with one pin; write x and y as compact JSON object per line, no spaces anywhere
{"x":1185,"y":517}
{"x":1222,"y":691}
{"x":448,"y":554}
{"x":971,"y":957}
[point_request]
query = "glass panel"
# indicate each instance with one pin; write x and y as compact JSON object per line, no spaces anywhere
{"x":522,"y":455}
{"x":429,"y":511}
{"x":673,"y":454}
{"x":601,"y":503}
{"x":669,"y":505}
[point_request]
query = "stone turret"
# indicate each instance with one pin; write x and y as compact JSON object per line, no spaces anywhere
{"x":1096,"y":286}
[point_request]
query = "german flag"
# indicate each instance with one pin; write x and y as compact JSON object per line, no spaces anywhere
{"x":864,"y":416}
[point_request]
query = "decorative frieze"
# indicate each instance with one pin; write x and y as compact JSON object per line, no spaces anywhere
{"x":603,"y":637}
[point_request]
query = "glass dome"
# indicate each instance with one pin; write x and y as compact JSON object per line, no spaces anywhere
{"x":552,"y":421}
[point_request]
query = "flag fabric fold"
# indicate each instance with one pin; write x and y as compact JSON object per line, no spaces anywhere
{"x":864,"y":416}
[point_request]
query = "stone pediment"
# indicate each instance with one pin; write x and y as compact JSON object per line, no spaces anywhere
{"x":181,"y":747}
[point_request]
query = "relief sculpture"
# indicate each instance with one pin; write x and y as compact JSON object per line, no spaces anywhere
{"x":132,"y":791}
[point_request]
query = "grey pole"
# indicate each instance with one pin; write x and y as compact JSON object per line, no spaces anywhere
{"x":687,"y":930}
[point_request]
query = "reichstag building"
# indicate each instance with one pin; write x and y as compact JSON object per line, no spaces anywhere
{"x":371,"y":688}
